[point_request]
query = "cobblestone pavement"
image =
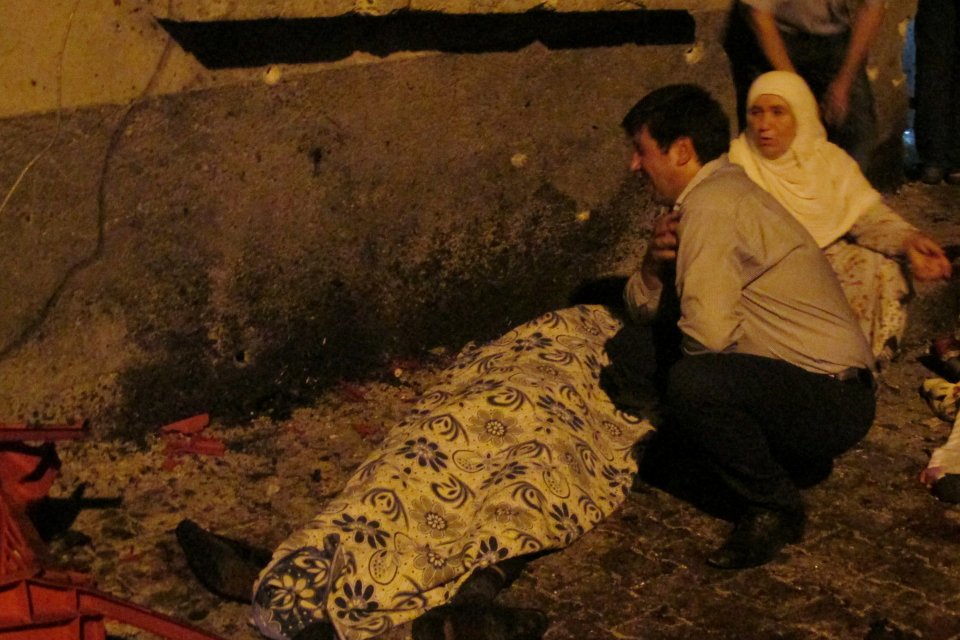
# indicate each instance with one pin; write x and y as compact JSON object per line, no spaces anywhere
{"x":878,"y":554}
{"x":878,"y":560}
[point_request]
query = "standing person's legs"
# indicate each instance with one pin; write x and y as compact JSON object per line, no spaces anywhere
{"x":858,"y":133}
{"x":746,"y":58}
{"x":953,"y":115}
{"x":818,"y":59}
{"x":936,"y":40}
{"x":753,"y":419}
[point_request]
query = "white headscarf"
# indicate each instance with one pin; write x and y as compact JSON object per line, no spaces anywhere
{"x":815,"y":180}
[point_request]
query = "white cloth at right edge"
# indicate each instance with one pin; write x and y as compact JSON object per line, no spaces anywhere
{"x":943,"y":397}
{"x":944,"y":460}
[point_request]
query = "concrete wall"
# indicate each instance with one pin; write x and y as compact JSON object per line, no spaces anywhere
{"x":76,"y":53}
{"x":238,"y":246}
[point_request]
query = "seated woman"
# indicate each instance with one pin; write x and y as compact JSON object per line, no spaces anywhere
{"x":785,"y":150}
{"x":517,"y":451}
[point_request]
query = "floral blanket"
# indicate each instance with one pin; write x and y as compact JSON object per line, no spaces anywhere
{"x":518,"y":450}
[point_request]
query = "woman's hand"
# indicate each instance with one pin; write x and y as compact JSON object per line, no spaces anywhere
{"x":927,"y":260}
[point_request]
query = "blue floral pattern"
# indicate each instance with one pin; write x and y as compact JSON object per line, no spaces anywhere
{"x":517,"y":450}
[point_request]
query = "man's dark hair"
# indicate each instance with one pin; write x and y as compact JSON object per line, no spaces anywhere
{"x":679,"y":110}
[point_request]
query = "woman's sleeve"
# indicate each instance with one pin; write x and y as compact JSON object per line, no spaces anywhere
{"x":881,"y":229}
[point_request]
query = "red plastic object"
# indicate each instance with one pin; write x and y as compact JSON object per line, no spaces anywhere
{"x":24,"y":431}
{"x":27,"y":473}
{"x":195,"y":424}
{"x":41,"y":609}
{"x":39,"y":605}
{"x":196,"y":444}
{"x":18,"y":540}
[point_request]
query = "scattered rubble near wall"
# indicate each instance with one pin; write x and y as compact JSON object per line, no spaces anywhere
{"x":238,"y":248}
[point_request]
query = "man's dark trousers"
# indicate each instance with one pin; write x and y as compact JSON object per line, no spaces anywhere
{"x":759,"y":422}
{"x":817,"y":60}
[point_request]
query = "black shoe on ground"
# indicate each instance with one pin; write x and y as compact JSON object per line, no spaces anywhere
{"x":225,"y":567}
{"x":931,"y":174}
{"x":322,"y":630}
{"x":757,"y":538}
{"x":947,"y":488}
{"x":952,"y":177}
{"x":480,"y":621}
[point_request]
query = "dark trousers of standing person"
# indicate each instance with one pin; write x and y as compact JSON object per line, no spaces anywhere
{"x":759,"y":422}
{"x":818,"y":59}
{"x":937,"y":123}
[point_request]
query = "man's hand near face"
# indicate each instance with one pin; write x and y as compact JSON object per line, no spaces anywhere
{"x":662,"y":249}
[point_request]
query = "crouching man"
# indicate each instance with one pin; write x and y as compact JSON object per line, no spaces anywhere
{"x":775,"y":378}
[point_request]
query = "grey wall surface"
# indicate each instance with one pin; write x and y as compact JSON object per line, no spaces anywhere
{"x":237,"y":249}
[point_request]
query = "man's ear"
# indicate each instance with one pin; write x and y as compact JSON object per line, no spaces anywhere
{"x":683,"y":150}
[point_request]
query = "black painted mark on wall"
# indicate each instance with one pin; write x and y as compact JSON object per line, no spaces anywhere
{"x":252,"y":43}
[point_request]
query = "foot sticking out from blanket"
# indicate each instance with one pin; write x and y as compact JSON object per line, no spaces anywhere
{"x":472,"y":613}
{"x":228,"y":568}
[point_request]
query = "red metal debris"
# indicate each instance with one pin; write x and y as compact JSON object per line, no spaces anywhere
{"x":27,"y":472}
{"x":40,"y":609}
{"x":183,"y":437}
{"x":26,"y":432}
{"x":18,"y":542}
{"x":195,"y":424}
{"x":39,"y":605}
{"x":201,"y":445}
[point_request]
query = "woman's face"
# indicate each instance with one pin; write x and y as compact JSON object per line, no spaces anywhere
{"x":771,"y":125}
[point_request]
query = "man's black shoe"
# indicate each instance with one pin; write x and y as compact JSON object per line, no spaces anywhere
{"x":480,"y":621}
{"x":947,"y":488}
{"x":757,"y":538}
